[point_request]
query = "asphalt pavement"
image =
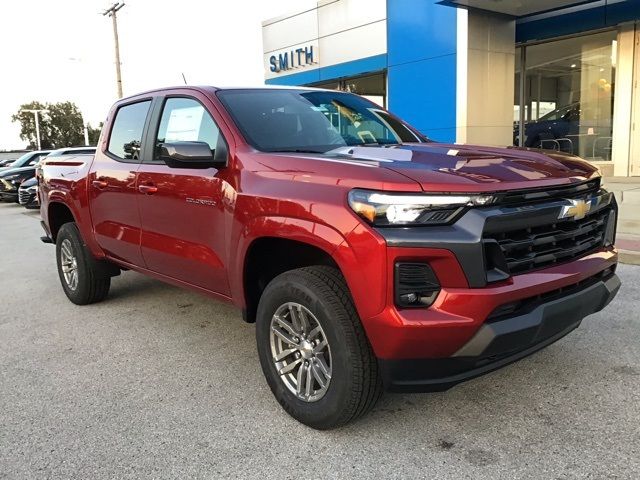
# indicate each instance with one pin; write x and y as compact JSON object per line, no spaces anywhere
{"x":159,"y":382}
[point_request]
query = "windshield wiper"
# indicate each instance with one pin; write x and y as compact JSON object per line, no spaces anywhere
{"x":295,"y":150}
{"x":378,"y":144}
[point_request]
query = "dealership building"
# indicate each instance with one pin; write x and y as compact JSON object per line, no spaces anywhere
{"x":565,"y":73}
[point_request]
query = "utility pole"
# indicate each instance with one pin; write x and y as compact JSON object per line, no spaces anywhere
{"x":111,"y":12}
{"x":36,"y":113}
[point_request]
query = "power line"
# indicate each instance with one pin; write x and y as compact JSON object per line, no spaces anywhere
{"x":111,"y":12}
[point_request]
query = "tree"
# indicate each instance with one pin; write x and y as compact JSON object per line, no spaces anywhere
{"x":28,"y":125}
{"x":94,"y":133}
{"x":66,"y":124}
{"x":61,"y":126}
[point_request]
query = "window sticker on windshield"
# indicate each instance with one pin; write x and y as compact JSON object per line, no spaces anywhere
{"x":367,"y":137}
{"x":184,"y":124}
{"x":319,"y":109}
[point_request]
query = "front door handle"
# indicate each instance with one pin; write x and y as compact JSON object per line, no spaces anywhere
{"x":147,"y":189}
{"x":100,"y":184}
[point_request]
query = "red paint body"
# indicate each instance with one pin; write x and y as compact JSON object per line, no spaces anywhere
{"x":301,"y":198}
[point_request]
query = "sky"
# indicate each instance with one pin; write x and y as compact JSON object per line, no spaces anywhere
{"x":61,"y":50}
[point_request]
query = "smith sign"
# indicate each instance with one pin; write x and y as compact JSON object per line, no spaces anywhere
{"x":299,"y":57}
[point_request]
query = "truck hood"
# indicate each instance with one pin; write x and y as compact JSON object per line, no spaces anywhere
{"x":29,"y":183}
{"x":471,"y":168}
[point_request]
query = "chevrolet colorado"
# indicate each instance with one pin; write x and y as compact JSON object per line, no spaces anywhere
{"x":369,"y":257}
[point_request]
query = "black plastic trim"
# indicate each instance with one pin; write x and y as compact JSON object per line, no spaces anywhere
{"x":543,"y":194}
{"x":464,"y":239}
{"x":500,"y":343}
{"x":415,"y":277}
{"x":47,"y":237}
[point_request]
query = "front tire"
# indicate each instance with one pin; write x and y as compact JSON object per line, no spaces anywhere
{"x":313,"y":350}
{"x":82,"y":278}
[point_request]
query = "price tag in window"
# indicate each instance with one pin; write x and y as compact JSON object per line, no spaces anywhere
{"x":184,"y":124}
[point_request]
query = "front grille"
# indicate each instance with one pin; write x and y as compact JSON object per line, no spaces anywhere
{"x":522,"y":250}
{"x":23,"y":197}
{"x":533,"y":195}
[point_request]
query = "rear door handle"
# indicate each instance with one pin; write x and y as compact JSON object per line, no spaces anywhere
{"x":100,"y":184}
{"x":147,"y":189}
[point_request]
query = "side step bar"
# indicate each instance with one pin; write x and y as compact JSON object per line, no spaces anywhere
{"x":45,"y":238}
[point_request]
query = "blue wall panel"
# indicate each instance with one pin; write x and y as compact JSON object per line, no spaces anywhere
{"x":419,"y":29}
{"x":539,"y":27}
{"x":578,"y":19}
{"x":356,"y":67}
{"x":425,"y":95}
{"x":421,"y":45}
{"x":301,"y":78}
{"x":624,"y":11}
{"x":362,"y":66}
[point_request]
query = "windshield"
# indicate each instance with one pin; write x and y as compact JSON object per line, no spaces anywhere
{"x":312,"y":121}
{"x":558,"y":113}
{"x":23,"y":160}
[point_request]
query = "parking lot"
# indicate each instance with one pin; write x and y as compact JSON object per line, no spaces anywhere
{"x":159,"y":382}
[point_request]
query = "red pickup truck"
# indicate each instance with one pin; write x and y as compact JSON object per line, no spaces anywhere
{"x":369,"y":257}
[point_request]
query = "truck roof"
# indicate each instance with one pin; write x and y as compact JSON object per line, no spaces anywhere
{"x":212,"y":88}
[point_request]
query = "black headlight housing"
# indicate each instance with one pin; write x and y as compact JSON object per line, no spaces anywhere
{"x":388,"y":209}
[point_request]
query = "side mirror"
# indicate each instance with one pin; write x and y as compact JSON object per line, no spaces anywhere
{"x":190,"y":155}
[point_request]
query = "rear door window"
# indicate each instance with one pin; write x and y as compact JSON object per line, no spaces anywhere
{"x":126,"y":133}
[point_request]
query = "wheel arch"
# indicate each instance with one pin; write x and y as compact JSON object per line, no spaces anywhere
{"x":269,"y":256}
{"x":368,"y":260}
{"x":58,"y":213}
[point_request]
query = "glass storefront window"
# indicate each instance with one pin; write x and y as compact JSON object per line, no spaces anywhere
{"x":372,"y":87}
{"x":568,"y":95}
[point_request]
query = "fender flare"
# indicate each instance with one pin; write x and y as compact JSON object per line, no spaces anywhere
{"x":83,"y":222}
{"x":308,"y":232}
{"x":368,"y":262}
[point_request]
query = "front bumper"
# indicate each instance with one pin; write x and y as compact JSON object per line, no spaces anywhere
{"x":513,"y":278}
{"x":9,"y":196}
{"x":28,"y":199}
{"x":8,"y":192}
{"x":503,"y":341}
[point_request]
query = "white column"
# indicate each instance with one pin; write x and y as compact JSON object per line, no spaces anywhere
{"x":628,"y":160}
{"x":485,"y":78}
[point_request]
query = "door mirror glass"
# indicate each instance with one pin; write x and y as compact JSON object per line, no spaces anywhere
{"x":187,"y":155}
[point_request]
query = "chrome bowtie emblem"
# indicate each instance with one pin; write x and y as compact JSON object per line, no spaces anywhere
{"x":577,"y":210}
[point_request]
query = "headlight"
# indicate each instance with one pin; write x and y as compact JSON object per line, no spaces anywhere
{"x":386,"y":209}
{"x":31,"y":189}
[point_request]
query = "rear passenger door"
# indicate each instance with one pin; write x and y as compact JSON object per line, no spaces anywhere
{"x":183,"y":209}
{"x":112,"y":186}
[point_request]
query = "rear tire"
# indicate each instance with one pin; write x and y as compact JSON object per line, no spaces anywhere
{"x":84,"y":280}
{"x":320,"y":295}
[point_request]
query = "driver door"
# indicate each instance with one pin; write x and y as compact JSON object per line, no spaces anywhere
{"x":182,"y":210}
